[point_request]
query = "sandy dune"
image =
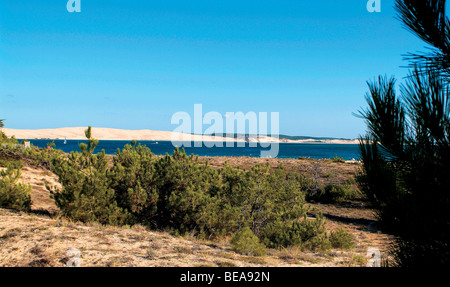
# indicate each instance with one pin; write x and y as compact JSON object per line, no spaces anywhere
{"x":148,"y":135}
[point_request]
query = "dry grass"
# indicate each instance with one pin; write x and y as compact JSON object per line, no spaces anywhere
{"x":38,"y":178}
{"x":310,"y":168}
{"x":37,"y":239}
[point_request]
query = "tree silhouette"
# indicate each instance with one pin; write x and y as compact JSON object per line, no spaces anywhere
{"x":406,"y":153}
{"x":427,"y":20}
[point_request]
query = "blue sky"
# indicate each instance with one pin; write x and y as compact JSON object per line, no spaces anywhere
{"x":133,"y":65}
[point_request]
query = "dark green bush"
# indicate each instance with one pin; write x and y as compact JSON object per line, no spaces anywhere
{"x":246,"y":242}
{"x":189,"y":194}
{"x":273,"y":206}
{"x":14,"y":164}
{"x":178,"y":193}
{"x":313,"y":233}
{"x":318,"y":243}
{"x":13,"y":194}
{"x":133,"y":179}
{"x":308,"y":234}
{"x":341,"y":239}
{"x":334,"y":193}
{"x":86,"y":193}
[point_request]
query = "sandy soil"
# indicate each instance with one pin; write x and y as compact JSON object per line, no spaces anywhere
{"x":149,"y":135}
{"x":36,"y":240}
{"x":42,"y":238}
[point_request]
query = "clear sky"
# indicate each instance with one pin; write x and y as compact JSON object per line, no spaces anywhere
{"x":133,"y":64}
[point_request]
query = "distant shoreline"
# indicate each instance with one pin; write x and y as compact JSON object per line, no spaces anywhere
{"x":77,"y":133}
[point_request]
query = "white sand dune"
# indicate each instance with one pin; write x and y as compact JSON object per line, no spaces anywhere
{"x":77,"y":133}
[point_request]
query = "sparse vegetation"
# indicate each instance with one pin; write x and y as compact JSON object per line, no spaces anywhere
{"x":14,"y":164}
{"x":337,"y":159}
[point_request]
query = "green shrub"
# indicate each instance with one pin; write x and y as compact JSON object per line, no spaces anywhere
{"x":133,"y":179}
{"x":318,"y":243}
{"x":341,"y":239}
{"x":86,"y":194}
{"x":298,"y":232}
{"x":281,"y":234}
{"x":272,"y":204}
{"x":335,"y":193}
{"x":179,"y":193}
{"x":4,"y":140}
{"x":88,"y":198}
{"x":351,"y":180}
{"x":313,"y":233}
{"x":188,"y":199}
{"x":14,"y":164}
{"x":337,"y":159}
{"x":14,"y":195}
{"x":11,"y":152}
{"x":246,"y":242}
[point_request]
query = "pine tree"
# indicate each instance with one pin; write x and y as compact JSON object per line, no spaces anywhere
{"x":86,"y":193}
{"x":14,"y":194}
{"x":406,"y":153}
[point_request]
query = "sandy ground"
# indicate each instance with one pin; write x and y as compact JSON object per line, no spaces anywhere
{"x":36,"y":240}
{"x":148,"y":135}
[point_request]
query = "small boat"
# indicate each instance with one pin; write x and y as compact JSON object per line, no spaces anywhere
{"x":65,"y":140}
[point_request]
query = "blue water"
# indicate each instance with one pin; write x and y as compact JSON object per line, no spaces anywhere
{"x":286,"y":150}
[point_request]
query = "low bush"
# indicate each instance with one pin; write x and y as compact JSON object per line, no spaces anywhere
{"x":133,"y":179}
{"x":178,"y":193}
{"x":318,"y":243}
{"x":337,"y":159}
{"x":247,"y":243}
{"x":12,"y":163}
{"x":189,"y":198}
{"x":341,"y":239}
{"x":334,"y":193}
{"x":13,"y":153}
{"x":86,"y":194}
{"x":308,"y":234}
{"x":5,"y":141}
{"x":13,"y":194}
